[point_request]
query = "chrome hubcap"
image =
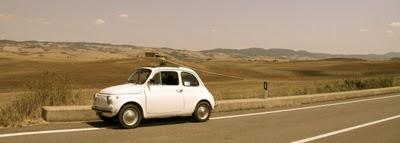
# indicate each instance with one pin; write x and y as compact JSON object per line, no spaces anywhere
{"x":202,"y":112}
{"x":130,"y":117}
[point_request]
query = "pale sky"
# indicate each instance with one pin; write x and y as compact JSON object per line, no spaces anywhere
{"x":329,"y":26}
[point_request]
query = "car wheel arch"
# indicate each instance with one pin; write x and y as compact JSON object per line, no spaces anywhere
{"x":132,"y":103}
{"x":204,"y":100}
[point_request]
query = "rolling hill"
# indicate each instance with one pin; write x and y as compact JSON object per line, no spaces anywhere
{"x":292,"y":54}
{"x":87,"y":51}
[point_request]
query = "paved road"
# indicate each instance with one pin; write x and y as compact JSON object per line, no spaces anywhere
{"x":373,"y":119}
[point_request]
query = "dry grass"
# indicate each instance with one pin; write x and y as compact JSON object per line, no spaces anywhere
{"x":25,"y":87}
{"x":51,"y":90}
{"x":347,"y":84}
{"x":284,"y":78}
{"x":254,"y":89}
{"x":238,"y":89}
{"x":97,"y":74}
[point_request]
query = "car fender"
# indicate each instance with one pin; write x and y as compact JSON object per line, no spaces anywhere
{"x":208,"y":98}
{"x":130,"y":98}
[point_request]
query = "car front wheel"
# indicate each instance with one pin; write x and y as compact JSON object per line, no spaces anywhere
{"x":202,"y":112}
{"x":130,"y":116}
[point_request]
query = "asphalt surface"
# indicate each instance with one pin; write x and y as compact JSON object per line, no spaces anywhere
{"x":287,"y":124}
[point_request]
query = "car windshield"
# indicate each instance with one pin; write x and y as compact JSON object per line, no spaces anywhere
{"x":139,"y":76}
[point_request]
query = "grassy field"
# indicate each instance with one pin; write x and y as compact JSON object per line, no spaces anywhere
{"x":285,"y":78}
{"x":25,"y":86}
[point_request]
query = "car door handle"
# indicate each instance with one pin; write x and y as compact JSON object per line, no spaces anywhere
{"x":179,"y":90}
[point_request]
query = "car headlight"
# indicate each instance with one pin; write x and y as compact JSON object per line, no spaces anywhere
{"x":109,"y":101}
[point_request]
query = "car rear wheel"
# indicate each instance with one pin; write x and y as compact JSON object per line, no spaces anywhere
{"x":202,"y":112}
{"x":130,"y":116}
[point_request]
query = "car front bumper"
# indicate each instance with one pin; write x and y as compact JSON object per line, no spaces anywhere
{"x":102,"y":111}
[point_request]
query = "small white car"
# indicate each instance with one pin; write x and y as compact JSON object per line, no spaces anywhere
{"x":155,"y":92}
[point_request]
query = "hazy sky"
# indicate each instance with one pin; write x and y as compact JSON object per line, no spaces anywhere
{"x":330,"y":26}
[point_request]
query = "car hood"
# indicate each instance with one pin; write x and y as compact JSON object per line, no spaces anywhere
{"x":127,"y":88}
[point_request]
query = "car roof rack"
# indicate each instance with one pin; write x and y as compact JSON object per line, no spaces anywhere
{"x":164,"y":66}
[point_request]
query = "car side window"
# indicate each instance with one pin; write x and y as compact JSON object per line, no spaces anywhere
{"x":169,"y":78}
{"x":156,"y":80}
{"x":189,"y":79}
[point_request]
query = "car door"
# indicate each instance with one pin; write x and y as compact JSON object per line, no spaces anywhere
{"x":164,"y":93}
{"x":191,"y":91}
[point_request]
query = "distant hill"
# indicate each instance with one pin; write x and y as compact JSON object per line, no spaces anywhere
{"x":341,"y":59}
{"x":292,"y":54}
{"x":89,"y":51}
{"x":84,"y":51}
{"x":260,"y":52}
{"x":392,"y":55}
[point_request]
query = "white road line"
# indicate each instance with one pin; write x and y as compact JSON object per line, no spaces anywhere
{"x":49,"y":132}
{"x":301,"y":108}
{"x":345,"y":130}
{"x":214,"y":118}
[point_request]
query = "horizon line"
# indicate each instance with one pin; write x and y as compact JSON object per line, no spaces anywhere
{"x":134,"y":45}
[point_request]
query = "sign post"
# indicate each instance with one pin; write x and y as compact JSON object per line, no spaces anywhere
{"x":266,"y":89}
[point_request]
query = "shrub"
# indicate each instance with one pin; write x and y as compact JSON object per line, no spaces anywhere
{"x":50,"y":89}
{"x":348,"y":84}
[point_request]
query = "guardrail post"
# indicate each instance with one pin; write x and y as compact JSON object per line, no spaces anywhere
{"x":266,"y":89}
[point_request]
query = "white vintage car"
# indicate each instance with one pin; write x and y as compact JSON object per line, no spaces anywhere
{"x":155,"y":92}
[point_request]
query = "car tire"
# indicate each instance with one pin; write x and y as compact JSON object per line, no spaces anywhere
{"x":107,"y":119}
{"x":130,"y":116}
{"x":202,"y":112}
